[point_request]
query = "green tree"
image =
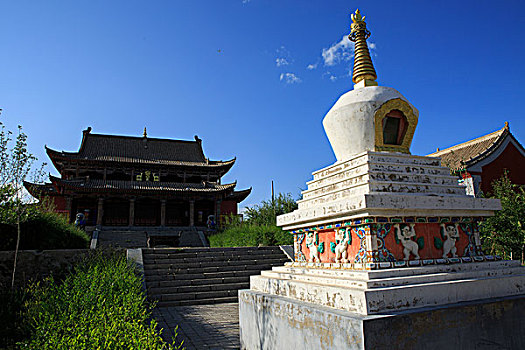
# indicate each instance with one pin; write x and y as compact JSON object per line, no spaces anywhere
{"x":504,"y":233}
{"x":267,"y":212}
{"x":15,"y":164}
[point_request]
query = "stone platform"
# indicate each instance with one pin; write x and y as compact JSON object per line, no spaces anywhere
{"x":372,"y":292}
{"x":275,"y":322}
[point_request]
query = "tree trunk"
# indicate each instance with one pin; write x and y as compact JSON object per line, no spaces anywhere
{"x":523,"y":254}
{"x":16,"y":250}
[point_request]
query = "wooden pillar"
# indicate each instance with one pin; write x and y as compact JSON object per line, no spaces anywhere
{"x":131,"y":211}
{"x":69,"y":205}
{"x":162,"y":212}
{"x":218,"y":212}
{"x":100,"y":211}
{"x":192,"y":212}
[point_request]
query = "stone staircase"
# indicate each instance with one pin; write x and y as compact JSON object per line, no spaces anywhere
{"x":191,"y":276}
{"x":121,"y":238}
{"x":143,"y":236}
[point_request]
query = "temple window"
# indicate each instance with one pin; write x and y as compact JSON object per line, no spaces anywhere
{"x":394,"y":127}
{"x":117,"y":174}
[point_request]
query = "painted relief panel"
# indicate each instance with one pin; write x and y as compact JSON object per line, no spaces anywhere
{"x":389,"y":242}
{"x":413,"y":241}
{"x":339,"y":245}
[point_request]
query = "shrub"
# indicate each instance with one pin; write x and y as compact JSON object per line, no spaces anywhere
{"x":247,"y":235}
{"x":12,"y":326}
{"x":504,"y":233}
{"x":44,"y":230}
{"x":101,"y":305}
{"x":266,"y":212}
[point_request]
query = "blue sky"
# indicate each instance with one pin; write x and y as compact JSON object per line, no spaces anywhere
{"x":255,"y":78}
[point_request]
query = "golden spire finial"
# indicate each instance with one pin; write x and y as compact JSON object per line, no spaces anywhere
{"x":364,"y":71}
{"x":145,"y":134}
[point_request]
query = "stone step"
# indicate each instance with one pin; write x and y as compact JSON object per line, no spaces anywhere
{"x":364,"y":275}
{"x":157,"y":292}
{"x":198,"y":295}
{"x":162,"y":280}
{"x":198,"y":282}
{"x":211,"y":259}
{"x":232,"y":299}
{"x":346,"y":282}
{"x":380,"y":177}
{"x":187,"y":255}
{"x":176,"y":265}
{"x":147,"y":251}
{"x":262,"y":265}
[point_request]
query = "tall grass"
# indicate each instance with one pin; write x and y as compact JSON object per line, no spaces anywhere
{"x":44,"y":230}
{"x":247,"y":235}
{"x":101,"y":305}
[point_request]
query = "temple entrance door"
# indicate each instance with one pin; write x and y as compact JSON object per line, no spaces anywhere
{"x":147,"y":212}
{"x":203,"y":209}
{"x":116,"y":212}
{"x":86,"y":206}
{"x":177,"y":213}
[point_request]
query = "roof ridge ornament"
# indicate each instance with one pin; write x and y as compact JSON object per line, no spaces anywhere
{"x":364,"y":73}
{"x":145,"y":133}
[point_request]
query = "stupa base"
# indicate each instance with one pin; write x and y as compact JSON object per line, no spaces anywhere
{"x":274,"y":322}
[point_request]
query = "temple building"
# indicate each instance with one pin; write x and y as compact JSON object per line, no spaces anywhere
{"x":480,"y":161}
{"x":139,"y":181}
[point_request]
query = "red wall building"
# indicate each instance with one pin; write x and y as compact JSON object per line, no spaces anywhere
{"x":485,"y":159}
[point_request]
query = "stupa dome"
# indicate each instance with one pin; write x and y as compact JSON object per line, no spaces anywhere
{"x":370,"y":118}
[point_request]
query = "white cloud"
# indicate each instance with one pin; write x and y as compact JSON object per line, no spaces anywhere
{"x":290,"y":78}
{"x":311,"y":66}
{"x":333,"y":78}
{"x":281,"y":61}
{"x":284,"y":57}
{"x":372,"y":46}
{"x":246,"y":1}
{"x":341,"y":51}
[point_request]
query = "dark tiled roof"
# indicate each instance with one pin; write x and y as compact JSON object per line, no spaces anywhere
{"x":144,"y":150}
{"x":37,"y":190}
{"x":239,"y":196}
{"x":462,"y":155}
{"x":143,"y":186}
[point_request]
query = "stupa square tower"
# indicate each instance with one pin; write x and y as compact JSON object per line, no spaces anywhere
{"x":387,"y":248}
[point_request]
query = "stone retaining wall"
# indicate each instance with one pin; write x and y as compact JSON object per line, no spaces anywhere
{"x":34,"y":264}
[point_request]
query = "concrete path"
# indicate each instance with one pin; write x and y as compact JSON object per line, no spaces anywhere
{"x":201,"y":326}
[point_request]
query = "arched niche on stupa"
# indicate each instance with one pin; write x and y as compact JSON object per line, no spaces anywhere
{"x":395,"y":123}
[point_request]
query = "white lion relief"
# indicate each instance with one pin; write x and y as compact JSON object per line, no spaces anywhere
{"x":405,"y":234}
{"x":342,"y":237}
{"x":451,"y":234}
{"x":311,"y":244}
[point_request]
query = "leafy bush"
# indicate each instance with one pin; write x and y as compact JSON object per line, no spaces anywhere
{"x":266,"y":212}
{"x":44,"y":230}
{"x":101,"y":305}
{"x":12,"y":326}
{"x":248,"y":235}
